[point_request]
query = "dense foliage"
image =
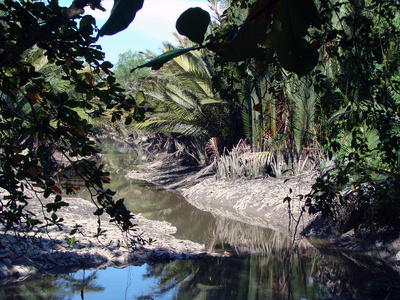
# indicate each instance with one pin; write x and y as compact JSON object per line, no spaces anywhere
{"x":313,"y":77}
{"x":53,"y":81}
{"x":359,"y":81}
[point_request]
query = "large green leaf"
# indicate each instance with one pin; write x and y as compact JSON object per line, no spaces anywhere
{"x":159,"y":61}
{"x":297,"y":55}
{"x":291,"y":22}
{"x":193,"y":23}
{"x":253,"y":30}
{"x":140,"y":97}
{"x":122,"y":14}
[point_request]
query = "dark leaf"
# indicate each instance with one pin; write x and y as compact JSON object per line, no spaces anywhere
{"x":99,"y":212}
{"x":297,"y":55}
{"x":122,"y":14}
{"x":254,"y":30}
{"x":128,"y":120}
{"x":291,"y":21}
{"x":159,"y":61}
{"x":193,"y":23}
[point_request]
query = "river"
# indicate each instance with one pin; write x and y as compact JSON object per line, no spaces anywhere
{"x":263,"y":264}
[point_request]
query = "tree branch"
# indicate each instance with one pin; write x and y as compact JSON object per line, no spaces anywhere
{"x":44,"y":31}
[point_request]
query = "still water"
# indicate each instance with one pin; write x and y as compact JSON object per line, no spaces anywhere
{"x":265,"y":267}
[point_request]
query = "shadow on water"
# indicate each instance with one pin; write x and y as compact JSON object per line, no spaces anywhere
{"x":263,"y":264}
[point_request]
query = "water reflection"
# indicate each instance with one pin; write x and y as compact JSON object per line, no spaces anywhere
{"x":62,"y":286}
{"x":219,"y":234}
{"x":266,"y":266}
{"x":282,"y":274}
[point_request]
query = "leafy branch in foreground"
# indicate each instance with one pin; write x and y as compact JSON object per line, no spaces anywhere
{"x":38,"y":119}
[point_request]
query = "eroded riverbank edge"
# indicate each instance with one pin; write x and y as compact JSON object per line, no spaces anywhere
{"x":259,"y":201}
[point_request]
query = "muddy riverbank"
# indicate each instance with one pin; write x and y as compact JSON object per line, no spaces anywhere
{"x":252,"y":201}
{"x":259,"y":201}
{"x":26,"y":255}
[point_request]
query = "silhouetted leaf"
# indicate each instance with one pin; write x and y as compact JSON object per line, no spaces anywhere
{"x":291,"y":21}
{"x":159,"y":61}
{"x":297,"y":55}
{"x":122,"y":14}
{"x":193,"y":24}
{"x":254,"y":30}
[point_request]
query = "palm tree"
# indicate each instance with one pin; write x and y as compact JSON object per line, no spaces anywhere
{"x":183,"y":98}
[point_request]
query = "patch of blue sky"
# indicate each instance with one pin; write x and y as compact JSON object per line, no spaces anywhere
{"x":153,"y":25}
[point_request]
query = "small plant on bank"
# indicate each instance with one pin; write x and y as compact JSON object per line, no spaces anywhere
{"x":242,"y":162}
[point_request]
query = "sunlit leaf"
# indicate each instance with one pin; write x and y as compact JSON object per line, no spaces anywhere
{"x":139,"y":97}
{"x":79,"y":130}
{"x":56,"y":189}
{"x":89,"y":78}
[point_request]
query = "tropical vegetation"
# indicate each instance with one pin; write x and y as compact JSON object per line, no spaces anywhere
{"x":313,"y":90}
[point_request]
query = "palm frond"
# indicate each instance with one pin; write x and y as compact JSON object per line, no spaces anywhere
{"x":182,"y":93}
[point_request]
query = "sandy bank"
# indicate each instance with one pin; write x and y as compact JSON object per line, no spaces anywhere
{"x":256,"y":201}
{"x":54,"y":251}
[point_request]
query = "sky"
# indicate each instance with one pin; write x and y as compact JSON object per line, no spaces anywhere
{"x":153,"y":24}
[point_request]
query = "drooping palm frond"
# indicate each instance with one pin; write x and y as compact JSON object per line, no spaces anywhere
{"x":193,"y":71}
{"x":168,"y":126}
{"x":247,"y":122}
{"x":177,"y":113}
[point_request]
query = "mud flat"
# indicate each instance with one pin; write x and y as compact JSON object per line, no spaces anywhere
{"x":30,"y":254}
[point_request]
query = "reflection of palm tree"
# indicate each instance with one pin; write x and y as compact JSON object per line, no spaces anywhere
{"x":274,"y":275}
{"x":246,"y":238}
{"x":158,"y":204}
{"x":49,"y":287}
{"x":79,"y":282}
{"x":172,"y":275}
